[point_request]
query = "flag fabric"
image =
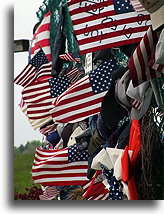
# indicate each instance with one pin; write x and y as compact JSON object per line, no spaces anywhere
{"x":70,"y":57}
{"x":75,"y":74}
{"x":138,"y":63}
{"x":152,"y":64}
{"x":83,"y":98}
{"x":50,"y":193}
{"x":39,"y":96}
{"x":60,"y":167}
{"x":37,"y":67}
{"x":42,"y":37}
{"x":106,"y":24}
{"x":137,"y":6}
{"x":48,"y":129}
{"x":95,"y":189}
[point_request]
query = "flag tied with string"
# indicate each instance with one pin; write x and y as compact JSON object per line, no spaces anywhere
{"x":142,"y":65}
{"x":60,"y":167}
{"x":106,"y":23}
{"x":39,"y":66}
{"x":83,"y":98}
{"x":42,"y":37}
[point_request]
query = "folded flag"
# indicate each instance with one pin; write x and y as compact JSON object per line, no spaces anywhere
{"x":139,"y":62}
{"x":83,"y":98}
{"x":104,"y":24}
{"x":60,"y":167}
{"x":37,"y":67}
{"x":70,"y":57}
{"x":42,"y":37}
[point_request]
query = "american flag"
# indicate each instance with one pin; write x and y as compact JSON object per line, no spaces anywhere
{"x":137,"y":6}
{"x":83,"y":98}
{"x":139,"y":62}
{"x":48,"y":129}
{"x":70,"y":57}
{"x":42,"y":37}
{"x":39,"y":96}
{"x":50,"y":193}
{"x":104,"y":24}
{"x":37,"y":67}
{"x":60,"y":167}
{"x":75,"y":74}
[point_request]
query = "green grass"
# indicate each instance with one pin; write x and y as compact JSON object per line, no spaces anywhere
{"x":22,"y":172}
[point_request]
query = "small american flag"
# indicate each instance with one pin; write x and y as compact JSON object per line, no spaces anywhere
{"x":75,"y":74}
{"x":37,"y":67}
{"x":139,"y":62}
{"x":48,"y":129}
{"x":104,"y":24}
{"x":39,"y":96}
{"x":60,"y":167}
{"x":42,"y":37}
{"x":50,"y":193}
{"x":70,"y":57}
{"x":83,"y":98}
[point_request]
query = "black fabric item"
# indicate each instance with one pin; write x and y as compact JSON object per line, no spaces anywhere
{"x":123,"y":139}
{"x":103,"y":55}
{"x":118,"y":73}
{"x":111,"y":111}
{"x":128,"y":49}
{"x":102,"y":129}
{"x":59,"y":45}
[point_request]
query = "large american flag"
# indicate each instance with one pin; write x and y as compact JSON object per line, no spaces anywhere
{"x":60,"y":167}
{"x":83,"y":98}
{"x":39,"y":66}
{"x":139,"y":67}
{"x":42,"y":37}
{"x":104,"y":24}
{"x":137,"y":5}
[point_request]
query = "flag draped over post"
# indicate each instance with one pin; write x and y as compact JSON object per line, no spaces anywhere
{"x":42,"y":37}
{"x":83,"y":98}
{"x":104,"y":24}
{"x":60,"y":167}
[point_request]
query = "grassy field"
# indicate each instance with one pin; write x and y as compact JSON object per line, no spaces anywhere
{"x":22,"y":172}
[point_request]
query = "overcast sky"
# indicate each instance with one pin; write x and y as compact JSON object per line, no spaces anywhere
{"x":24,"y":20}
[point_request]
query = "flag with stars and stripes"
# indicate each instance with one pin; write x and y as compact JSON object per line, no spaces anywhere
{"x":38,"y":96}
{"x":39,"y":66}
{"x":60,"y":167}
{"x":42,"y":37}
{"x":105,"y":24}
{"x":83,"y":98}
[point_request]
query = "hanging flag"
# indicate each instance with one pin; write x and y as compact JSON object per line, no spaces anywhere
{"x":83,"y":98}
{"x":70,"y":57}
{"x":138,"y":63}
{"x":75,"y":74}
{"x":137,"y":6}
{"x":60,"y":167}
{"x":37,"y":67}
{"x":42,"y":37}
{"x":105,"y":24}
{"x":50,"y":193}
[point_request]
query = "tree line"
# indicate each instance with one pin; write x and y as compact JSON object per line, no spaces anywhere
{"x":28,"y":148}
